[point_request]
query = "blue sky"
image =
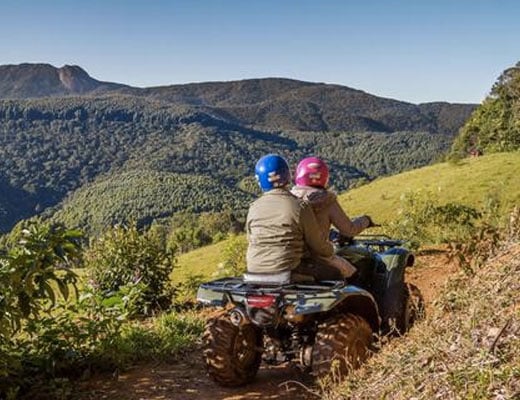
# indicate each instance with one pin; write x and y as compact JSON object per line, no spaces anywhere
{"x":415,"y":51}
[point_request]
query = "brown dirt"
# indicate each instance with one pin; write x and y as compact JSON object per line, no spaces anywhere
{"x":187,"y":380}
{"x":431,"y":271}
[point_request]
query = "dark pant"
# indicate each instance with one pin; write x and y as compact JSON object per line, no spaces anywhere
{"x":320,"y":272}
{"x":365,"y":264}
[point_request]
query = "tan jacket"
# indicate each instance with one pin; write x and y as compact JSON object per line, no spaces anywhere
{"x":329,"y":212}
{"x":280,"y":227}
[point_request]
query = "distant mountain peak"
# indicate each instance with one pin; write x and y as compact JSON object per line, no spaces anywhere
{"x":44,"y":80}
{"x":76,"y":79}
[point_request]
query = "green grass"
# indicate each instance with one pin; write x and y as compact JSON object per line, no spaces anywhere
{"x":469,"y":182}
{"x":201,"y":261}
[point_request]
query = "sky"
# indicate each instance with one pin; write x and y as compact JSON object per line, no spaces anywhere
{"x":411,"y":50}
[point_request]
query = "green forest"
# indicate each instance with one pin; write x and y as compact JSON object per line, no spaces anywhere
{"x":114,"y":151}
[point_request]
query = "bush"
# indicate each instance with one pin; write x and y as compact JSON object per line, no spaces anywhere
{"x":234,"y":255}
{"x":123,"y":258}
{"x":34,"y":272}
{"x":68,"y":340}
{"x":422,"y":219}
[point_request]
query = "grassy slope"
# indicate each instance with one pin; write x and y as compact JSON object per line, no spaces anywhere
{"x":201,"y":261}
{"x":466,"y":348}
{"x":468,"y":182}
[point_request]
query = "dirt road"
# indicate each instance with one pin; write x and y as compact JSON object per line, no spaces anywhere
{"x":186,"y":380}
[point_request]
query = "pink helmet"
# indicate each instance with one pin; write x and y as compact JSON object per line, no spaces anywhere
{"x":312,"y":171}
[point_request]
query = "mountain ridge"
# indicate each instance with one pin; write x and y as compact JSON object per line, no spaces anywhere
{"x":266,"y":103}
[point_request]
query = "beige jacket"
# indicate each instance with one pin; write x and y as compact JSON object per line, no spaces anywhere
{"x":280,"y":228}
{"x":329,"y":212}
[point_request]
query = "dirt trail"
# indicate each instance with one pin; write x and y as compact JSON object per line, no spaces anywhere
{"x":186,"y":380}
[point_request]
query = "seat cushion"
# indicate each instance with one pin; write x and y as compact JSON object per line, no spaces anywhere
{"x":281,"y":278}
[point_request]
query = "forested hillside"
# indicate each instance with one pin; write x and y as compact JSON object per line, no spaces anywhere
{"x":293,"y":105}
{"x":495,"y":124}
{"x":196,"y":142}
{"x":270,"y":103}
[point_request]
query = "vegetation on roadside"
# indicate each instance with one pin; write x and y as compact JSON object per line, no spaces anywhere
{"x":137,"y":265}
{"x":467,"y":347}
{"x":57,"y":325}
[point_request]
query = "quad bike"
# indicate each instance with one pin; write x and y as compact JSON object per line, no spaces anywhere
{"x":324,"y":327}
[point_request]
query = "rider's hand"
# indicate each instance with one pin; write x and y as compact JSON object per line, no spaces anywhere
{"x":370,"y":222}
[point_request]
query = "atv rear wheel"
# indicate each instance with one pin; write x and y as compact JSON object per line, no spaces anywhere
{"x":342,"y":344}
{"x":413,"y":308}
{"x":232,"y":354}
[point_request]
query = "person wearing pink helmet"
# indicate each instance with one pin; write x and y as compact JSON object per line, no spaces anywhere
{"x":312,"y":177}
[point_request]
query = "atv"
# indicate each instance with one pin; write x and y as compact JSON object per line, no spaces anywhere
{"x":324,"y":327}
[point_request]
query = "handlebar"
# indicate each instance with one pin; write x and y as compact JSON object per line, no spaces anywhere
{"x":366,"y":240}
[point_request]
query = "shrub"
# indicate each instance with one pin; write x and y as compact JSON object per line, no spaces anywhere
{"x":34,"y":272}
{"x":422,"y":219}
{"x":234,"y":255}
{"x":28,"y":271}
{"x":123,"y":257}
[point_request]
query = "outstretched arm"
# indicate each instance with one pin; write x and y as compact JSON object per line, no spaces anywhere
{"x":344,"y":224}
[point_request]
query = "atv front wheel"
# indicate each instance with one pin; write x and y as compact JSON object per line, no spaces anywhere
{"x":342,"y":343}
{"x":232,"y":354}
{"x":413,"y":309}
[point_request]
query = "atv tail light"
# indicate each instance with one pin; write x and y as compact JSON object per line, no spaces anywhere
{"x":260,"y":301}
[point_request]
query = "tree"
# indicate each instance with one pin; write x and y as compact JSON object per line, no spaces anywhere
{"x":495,"y":124}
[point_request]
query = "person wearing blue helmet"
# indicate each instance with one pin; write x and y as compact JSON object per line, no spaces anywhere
{"x":282,"y":229}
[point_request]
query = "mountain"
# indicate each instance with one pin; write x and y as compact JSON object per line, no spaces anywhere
{"x":70,"y":142}
{"x":44,"y":80}
{"x":284,"y":104}
{"x":270,"y":103}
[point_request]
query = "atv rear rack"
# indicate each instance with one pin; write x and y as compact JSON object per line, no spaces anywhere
{"x":237,"y":286}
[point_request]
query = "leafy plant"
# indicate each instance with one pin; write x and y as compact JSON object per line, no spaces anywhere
{"x":123,"y":257}
{"x":34,"y":271}
{"x":422,"y":219}
{"x":234,"y":257}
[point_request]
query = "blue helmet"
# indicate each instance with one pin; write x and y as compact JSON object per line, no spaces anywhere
{"x":272,"y":171}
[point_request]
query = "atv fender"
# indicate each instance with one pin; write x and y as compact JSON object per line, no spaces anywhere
{"x":362,"y":304}
{"x":396,"y":260}
{"x":348,"y":299}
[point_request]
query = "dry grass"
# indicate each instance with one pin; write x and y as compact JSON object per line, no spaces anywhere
{"x":467,"y":348}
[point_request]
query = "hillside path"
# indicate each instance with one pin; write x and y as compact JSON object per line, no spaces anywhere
{"x":187,"y":380}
